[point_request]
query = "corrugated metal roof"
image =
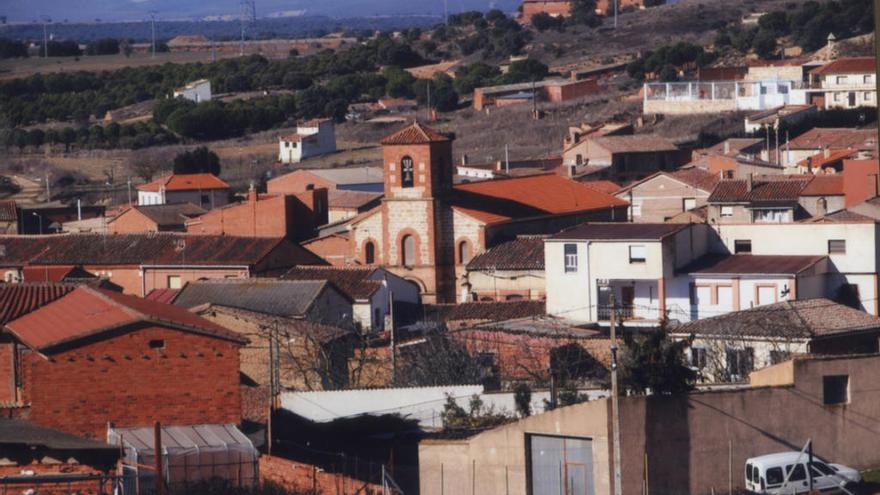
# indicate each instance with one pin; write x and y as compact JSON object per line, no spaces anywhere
{"x":620,"y":231}
{"x":21,"y":432}
{"x":205,"y":437}
{"x":86,"y":312}
{"x":288,"y":298}
{"x":8,"y":212}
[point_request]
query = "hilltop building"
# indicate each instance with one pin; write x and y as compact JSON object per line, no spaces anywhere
{"x":312,"y":138}
{"x":197,"y":91}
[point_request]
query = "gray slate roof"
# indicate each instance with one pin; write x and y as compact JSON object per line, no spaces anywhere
{"x":285,"y":298}
{"x":807,"y":318}
{"x":20,"y":432}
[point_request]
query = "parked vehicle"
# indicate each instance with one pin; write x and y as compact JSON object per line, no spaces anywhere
{"x":767,"y":474}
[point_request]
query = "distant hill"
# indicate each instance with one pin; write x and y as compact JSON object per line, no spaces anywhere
{"x":130,"y":10}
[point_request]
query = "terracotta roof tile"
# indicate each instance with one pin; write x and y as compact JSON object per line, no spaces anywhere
{"x":737,"y":191}
{"x":642,"y":143}
{"x":825,"y":185}
{"x":486,"y":311}
{"x":842,"y":216}
{"x":163,"y":295}
{"x":848,"y":65}
{"x":807,"y":318}
{"x":50,"y":273}
{"x":500,"y":200}
{"x":415,"y":133}
{"x":185,"y":182}
{"x":819,"y":160}
{"x":620,"y":231}
{"x":17,"y":300}
{"x":353,"y":281}
{"x":8,"y":212}
{"x":351,"y":199}
{"x":522,"y":253}
{"x":820,"y":138}
{"x":86,"y":312}
{"x":751,"y":264}
{"x":603,"y":186}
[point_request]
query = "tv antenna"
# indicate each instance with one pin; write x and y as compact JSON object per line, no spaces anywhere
{"x":153,"y":29}
{"x":46,"y":19}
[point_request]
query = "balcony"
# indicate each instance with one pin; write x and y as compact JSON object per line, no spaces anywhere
{"x":623,"y":313}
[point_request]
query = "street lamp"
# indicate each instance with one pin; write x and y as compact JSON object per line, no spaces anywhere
{"x":40,"y":219}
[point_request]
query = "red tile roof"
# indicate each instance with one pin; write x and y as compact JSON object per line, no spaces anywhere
{"x":351,"y":199}
{"x":751,"y":264}
{"x":825,"y":185}
{"x":835,"y":138}
{"x":692,"y":176}
{"x":486,"y":311}
{"x":355,"y":282}
{"x":819,"y":160}
{"x":185,"y":182}
{"x":522,"y":253}
{"x":292,"y":138}
{"x":86,"y":312}
{"x":415,"y":133}
{"x":49,"y":273}
{"x":642,"y":143}
{"x":17,"y":300}
{"x":737,"y":191}
{"x":8,"y":212}
{"x":848,"y":65}
{"x":150,"y":249}
{"x":603,"y":186}
{"x":500,"y":200}
{"x":163,"y":295}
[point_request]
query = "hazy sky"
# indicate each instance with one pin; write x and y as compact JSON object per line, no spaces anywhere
{"x":88,"y":10}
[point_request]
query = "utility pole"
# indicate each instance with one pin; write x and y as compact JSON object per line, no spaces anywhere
{"x":446,"y":11}
{"x":153,"y":29}
{"x":429,"y":100}
{"x":777,"y":140}
{"x":157,"y":455}
{"x":506,"y":159}
{"x":46,"y":19}
{"x":48,"y":190}
{"x":129,"y":191}
{"x":615,"y":14}
{"x":877,"y":71}
{"x":392,"y":332}
{"x":615,"y":404}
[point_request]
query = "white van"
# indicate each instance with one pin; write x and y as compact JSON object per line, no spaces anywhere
{"x":765,"y":474}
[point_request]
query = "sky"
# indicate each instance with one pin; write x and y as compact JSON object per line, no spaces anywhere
{"x":89,"y":10}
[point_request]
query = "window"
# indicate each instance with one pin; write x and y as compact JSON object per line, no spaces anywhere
{"x":797,"y":474}
{"x":157,"y":344}
{"x":689,"y":204}
{"x":377,"y":318}
{"x":782,"y":89}
{"x":408,"y":250}
{"x":742,"y":246}
{"x":174,"y":282}
{"x":579,"y":160}
{"x":726,"y":211}
{"x":821,"y":205}
{"x":771,"y":215}
{"x":835,"y":389}
{"x":869,"y":96}
{"x":514,"y":297}
{"x":748,"y":472}
{"x":464,"y":252}
{"x":836,"y":246}
{"x":571,"y":258}
{"x":841,"y":79}
{"x":637,"y":254}
{"x":866,"y":79}
{"x":636,"y":209}
{"x":206,"y":199}
{"x":310,"y":187}
{"x":822,"y":469}
{"x":557,"y":464}
{"x":774,"y":476}
{"x":699,"y":357}
{"x":740,"y":362}
{"x":369,"y":253}
{"x":407,"y":173}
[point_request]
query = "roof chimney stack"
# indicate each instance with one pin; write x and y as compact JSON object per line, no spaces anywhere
{"x":252,"y":193}
{"x":827,"y":152}
{"x":727,"y":147}
{"x":750,"y":182}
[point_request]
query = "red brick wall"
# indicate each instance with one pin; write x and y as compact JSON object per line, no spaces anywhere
{"x":131,"y":222}
{"x":571,"y":91}
{"x":7,"y":372}
{"x":194,"y":379}
{"x":552,"y":7}
{"x":297,"y":182}
{"x":62,"y":488}
{"x":858,"y":182}
{"x":336,"y":250}
{"x":297,"y":476}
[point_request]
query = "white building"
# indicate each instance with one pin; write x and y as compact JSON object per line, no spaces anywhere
{"x":689,"y":272}
{"x":312,"y":138}
{"x":845,"y":83}
{"x":197,"y":91}
{"x":205,"y":190}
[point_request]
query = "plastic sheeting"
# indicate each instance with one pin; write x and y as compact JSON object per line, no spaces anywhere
{"x":191,"y":454}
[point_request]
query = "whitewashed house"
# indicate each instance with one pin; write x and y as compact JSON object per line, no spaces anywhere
{"x":197,"y":91}
{"x":312,"y":138}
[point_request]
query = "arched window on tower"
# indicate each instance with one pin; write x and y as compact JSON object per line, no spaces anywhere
{"x":406,"y":172}
{"x":370,"y":253}
{"x":464,"y":252}
{"x":408,"y":251}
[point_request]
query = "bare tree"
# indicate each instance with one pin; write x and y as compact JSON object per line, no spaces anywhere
{"x":148,"y":163}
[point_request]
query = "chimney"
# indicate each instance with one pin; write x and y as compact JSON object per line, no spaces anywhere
{"x":252,"y":193}
{"x":750,"y":182}
{"x":827,"y":152}
{"x":572,"y":170}
{"x":727,"y":147}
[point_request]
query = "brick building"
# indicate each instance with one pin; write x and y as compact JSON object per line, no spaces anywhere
{"x":294,"y":216}
{"x":426,"y":229}
{"x":93,"y":357}
{"x":365,"y":179}
{"x":562,"y":8}
{"x":154,"y":218}
{"x":551,"y":90}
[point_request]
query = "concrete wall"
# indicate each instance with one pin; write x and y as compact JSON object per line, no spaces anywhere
{"x":499,"y":285}
{"x":661,"y":198}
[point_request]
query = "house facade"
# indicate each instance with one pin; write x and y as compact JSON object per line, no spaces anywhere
{"x":203,"y":190}
{"x":846,"y":83}
{"x":312,"y":138}
{"x":664,"y":195}
{"x":196,"y":91}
